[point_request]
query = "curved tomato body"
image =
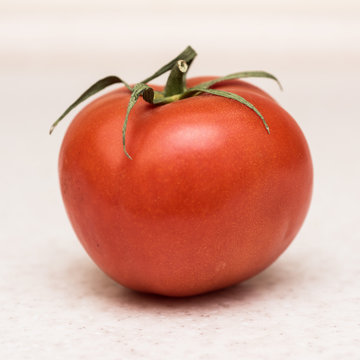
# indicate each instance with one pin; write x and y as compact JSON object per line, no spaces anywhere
{"x":209,"y":199}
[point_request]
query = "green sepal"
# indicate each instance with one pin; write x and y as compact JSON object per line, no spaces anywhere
{"x":139,"y":89}
{"x":240,"y":75}
{"x":232,"y":96}
{"x":98,"y":86}
{"x":188,"y":55}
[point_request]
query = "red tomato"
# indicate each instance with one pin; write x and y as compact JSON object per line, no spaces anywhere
{"x":209,"y":199}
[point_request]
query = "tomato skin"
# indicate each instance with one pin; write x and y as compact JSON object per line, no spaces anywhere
{"x":209,"y":199}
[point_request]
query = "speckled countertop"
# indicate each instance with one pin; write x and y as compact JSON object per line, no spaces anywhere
{"x":56,"y":304}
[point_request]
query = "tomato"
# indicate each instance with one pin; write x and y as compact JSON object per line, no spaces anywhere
{"x":209,"y":199}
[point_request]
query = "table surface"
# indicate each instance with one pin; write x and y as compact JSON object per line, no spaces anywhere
{"x":55,"y":303}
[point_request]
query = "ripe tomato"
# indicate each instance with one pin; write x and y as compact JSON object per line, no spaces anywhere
{"x":209,"y":199}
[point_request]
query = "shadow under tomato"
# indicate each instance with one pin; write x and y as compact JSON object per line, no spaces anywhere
{"x":89,"y":281}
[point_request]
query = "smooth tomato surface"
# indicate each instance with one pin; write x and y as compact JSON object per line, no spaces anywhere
{"x":209,"y":199}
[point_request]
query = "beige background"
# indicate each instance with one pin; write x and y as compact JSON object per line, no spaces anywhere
{"x":54,"y":303}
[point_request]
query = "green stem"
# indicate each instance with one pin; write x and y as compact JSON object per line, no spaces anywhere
{"x":176,"y":82}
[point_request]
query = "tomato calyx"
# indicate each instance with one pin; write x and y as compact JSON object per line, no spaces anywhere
{"x":175,"y":89}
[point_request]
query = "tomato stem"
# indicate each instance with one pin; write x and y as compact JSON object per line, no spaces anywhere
{"x":176,"y":82}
